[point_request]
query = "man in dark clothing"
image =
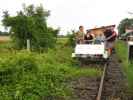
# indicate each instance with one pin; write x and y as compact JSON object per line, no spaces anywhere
{"x":110,"y":36}
{"x":88,"y":37}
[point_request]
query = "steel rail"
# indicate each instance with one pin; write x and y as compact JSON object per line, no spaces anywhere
{"x":101,"y":84}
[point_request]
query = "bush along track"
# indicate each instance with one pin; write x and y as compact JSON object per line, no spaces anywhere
{"x":32,"y":76}
{"x":54,"y":75}
{"x":127,"y":67}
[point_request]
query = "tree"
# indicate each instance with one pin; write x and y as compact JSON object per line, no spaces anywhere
{"x":71,"y":38}
{"x":125,"y":23}
{"x":31,"y":23}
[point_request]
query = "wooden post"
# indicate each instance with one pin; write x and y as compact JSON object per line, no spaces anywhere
{"x":130,"y":51}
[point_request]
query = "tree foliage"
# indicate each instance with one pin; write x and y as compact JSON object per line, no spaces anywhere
{"x":31,"y":23}
{"x":125,"y":23}
{"x":4,"y":33}
{"x":71,"y":38}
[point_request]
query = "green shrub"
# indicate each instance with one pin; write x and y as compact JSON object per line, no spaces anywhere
{"x":32,"y":76}
{"x":71,"y":39}
{"x":15,"y":71}
{"x":122,"y":53}
{"x":27,"y":81}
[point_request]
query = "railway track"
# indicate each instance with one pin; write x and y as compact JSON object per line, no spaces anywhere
{"x":101,"y":83}
{"x":109,"y":86}
{"x":114,"y":81}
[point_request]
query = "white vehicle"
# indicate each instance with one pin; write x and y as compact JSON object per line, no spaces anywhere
{"x":91,"y":51}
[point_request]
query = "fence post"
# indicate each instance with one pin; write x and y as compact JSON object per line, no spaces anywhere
{"x":130,"y":51}
{"x":28,"y":44}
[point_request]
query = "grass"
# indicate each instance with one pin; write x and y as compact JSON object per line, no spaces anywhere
{"x":31,"y":76}
{"x":122,"y":52}
{"x":62,"y":58}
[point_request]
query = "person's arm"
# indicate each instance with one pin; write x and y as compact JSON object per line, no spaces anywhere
{"x":76,"y":35}
{"x":114,"y":34}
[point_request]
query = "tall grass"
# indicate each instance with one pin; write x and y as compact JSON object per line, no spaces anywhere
{"x":122,"y":52}
{"x":33,"y":76}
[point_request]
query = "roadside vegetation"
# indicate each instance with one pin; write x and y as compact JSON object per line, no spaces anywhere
{"x":33,"y":76}
{"x":122,"y":52}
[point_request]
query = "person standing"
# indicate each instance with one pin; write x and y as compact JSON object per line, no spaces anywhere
{"x":80,"y":35}
{"x":110,"y":37}
{"x":115,"y":35}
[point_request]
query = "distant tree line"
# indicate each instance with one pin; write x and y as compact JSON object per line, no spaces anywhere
{"x":4,"y":33}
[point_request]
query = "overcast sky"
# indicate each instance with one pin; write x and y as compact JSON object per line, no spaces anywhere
{"x":69,"y":14}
